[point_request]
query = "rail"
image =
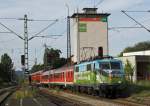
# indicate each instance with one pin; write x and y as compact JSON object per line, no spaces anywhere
{"x":5,"y":93}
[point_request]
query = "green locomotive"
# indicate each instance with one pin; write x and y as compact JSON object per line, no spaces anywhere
{"x":103,"y":75}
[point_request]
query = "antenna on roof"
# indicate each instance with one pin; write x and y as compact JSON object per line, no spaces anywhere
{"x":94,"y":4}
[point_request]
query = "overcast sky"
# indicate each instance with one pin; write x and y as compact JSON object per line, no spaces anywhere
{"x":56,"y":9}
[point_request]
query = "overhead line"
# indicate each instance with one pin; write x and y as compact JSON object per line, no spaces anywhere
{"x":138,"y":11}
{"x":122,"y":27}
{"x":9,"y":18}
{"x":41,"y":20}
{"x":45,"y":28}
{"x":5,"y":32}
{"x":11,"y":31}
{"x":99,"y":3}
{"x":135,"y":21}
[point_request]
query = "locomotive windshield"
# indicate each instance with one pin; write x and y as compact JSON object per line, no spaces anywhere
{"x":110,"y":65}
{"x":105,"y":66}
{"x":115,"y":65}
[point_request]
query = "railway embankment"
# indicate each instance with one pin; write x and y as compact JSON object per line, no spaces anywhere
{"x":5,"y":93}
{"x":89,"y":100}
{"x":139,"y":95}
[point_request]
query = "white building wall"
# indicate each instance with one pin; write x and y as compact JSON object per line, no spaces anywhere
{"x":95,"y":37}
{"x":143,"y":53}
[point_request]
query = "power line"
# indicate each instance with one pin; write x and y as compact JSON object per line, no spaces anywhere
{"x":40,"y":20}
{"x":5,"y":32}
{"x":28,"y":19}
{"x":7,"y":40}
{"x":122,"y":27}
{"x":129,"y":27}
{"x":45,"y":28}
{"x":26,"y":39}
{"x":135,"y":21}
{"x":139,"y":11}
{"x":101,"y":1}
{"x":11,"y":31}
{"x":9,"y":18}
{"x":47,"y":36}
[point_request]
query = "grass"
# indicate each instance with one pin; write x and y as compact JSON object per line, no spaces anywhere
{"x":139,"y":91}
{"x":140,"y":87}
{"x":24,"y":93}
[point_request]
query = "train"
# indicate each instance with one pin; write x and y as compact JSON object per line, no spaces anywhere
{"x":101,"y":76}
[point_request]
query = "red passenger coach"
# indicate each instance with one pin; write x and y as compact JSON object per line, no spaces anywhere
{"x":62,"y":76}
{"x":36,"y":77}
{"x":69,"y":75}
{"x":45,"y":77}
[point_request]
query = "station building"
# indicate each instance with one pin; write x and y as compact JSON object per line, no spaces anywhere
{"x":140,"y":61}
{"x":89,"y":32}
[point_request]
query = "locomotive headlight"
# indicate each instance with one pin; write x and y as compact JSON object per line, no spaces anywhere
{"x":110,"y":76}
{"x":119,"y":81}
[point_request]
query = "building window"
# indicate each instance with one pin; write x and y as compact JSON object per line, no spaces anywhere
{"x":104,"y":19}
{"x":82,"y":27}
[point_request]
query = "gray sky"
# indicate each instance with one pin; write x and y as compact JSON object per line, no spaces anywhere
{"x":56,"y":9}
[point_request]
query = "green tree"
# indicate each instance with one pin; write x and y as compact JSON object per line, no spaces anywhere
{"x":129,"y":70}
{"x":37,"y":68}
{"x":6,"y":68}
{"x":137,"y":47}
{"x":148,"y":72}
{"x":52,"y":58}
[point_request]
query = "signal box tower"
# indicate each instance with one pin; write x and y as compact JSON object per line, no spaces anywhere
{"x":90,"y":30}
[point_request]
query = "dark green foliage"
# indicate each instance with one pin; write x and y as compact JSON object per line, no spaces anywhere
{"x":137,"y":47}
{"x":139,"y":86}
{"x":52,"y":58}
{"x":50,"y":55}
{"x":37,"y":68}
{"x":129,"y":70}
{"x":59,"y":62}
{"x":6,"y":68}
{"x":148,"y":72}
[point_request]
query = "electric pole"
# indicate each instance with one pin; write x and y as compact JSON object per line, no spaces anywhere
{"x":45,"y":57}
{"x":26,"y":44}
{"x":26,"y":38}
{"x":68,"y":38}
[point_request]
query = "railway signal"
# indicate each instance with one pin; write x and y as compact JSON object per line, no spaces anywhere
{"x":23,"y":60}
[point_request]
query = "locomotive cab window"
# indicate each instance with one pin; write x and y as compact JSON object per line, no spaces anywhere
{"x":105,"y":66}
{"x":89,"y":68}
{"x":77,"y":69}
{"x":115,"y":65}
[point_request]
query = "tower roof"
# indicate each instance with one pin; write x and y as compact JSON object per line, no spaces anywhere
{"x":91,"y":13}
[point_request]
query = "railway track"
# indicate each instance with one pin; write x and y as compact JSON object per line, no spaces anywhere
{"x":59,"y":101}
{"x":44,"y":97}
{"x":5,"y":93}
{"x":85,"y":99}
{"x":121,"y":101}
